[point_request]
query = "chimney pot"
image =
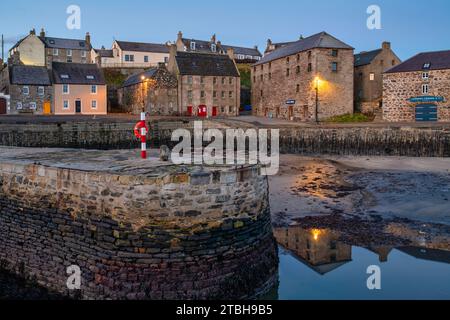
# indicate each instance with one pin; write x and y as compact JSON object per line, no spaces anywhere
{"x":42,"y":33}
{"x":386,"y":45}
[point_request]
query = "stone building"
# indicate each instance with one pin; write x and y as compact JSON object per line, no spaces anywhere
{"x":78,"y":89}
{"x":369,"y":69}
{"x":154,"y":90}
{"x":43,"y":50}
{"x":307,"y":80}
{"x":418,"y":89}
{"x":208,"y":83}
{"x":240,"y":54}
{"x":30,"y":90}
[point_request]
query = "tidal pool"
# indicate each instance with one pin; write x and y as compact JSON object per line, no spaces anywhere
{"x":314,"y":265}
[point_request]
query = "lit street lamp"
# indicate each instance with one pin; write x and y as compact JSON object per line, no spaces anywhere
{"x":317,"y":80}
{"x":144,"y":83}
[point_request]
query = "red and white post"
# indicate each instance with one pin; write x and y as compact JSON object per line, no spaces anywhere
{"x":143,"y":136}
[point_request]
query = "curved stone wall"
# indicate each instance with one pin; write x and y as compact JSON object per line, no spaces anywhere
{"x":137,"y":232}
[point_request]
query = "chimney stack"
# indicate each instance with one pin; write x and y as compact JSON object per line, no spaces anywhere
{"x":33,"y":31}
{"x":180,"y":35}
{"x":213,"y":38}
{"x":386,"y":45}
{"x":88,"y":39}
{"x":42,"y":34}
{"x":230,"y":53}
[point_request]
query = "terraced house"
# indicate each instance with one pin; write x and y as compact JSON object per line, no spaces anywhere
{"x":208,"y":83}
{"x":418,"y":89}
{"x":307,"y":80}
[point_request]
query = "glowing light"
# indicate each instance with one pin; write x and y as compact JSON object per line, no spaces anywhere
{"x":316,"y":233}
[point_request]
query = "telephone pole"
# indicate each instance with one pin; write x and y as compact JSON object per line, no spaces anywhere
{"x":3,"y":49}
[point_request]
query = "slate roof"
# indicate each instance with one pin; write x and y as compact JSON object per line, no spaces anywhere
{"x":104,"y":53}
{"x":143,"y":47}
{"x":29,"y":75}
{"x":200,"y":45}
{"x":365,"y":58}
{"x":245,"y":51}
{"x":61,"y":43}
{"x":137,"y":77}
{"x":201,"y":64}
{"x":438,"y":60}
{"x":78,"y":73}
{"x":320,"y":40}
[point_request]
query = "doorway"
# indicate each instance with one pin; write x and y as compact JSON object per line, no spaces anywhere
{"x":291,"y":113}
{"x":2,"y":106}
{"x":78,"y":106}
{"x":47,"y":108}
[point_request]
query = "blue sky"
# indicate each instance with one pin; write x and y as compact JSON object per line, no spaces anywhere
{"x":412,"y":26}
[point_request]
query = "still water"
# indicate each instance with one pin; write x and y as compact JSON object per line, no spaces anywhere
{"x":315,"y":265}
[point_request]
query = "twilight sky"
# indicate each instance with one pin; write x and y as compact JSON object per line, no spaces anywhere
{"x":412,"y":26}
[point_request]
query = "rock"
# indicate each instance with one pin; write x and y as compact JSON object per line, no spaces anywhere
{"x":164,"y":153}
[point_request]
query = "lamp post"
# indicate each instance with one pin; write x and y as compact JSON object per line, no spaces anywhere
{"x":317,"y":99}
{"x":144,"y":83}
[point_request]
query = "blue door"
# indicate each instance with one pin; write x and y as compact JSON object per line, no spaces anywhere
{"x":426,"y":112}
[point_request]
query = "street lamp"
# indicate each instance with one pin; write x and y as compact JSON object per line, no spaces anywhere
{"x":317,"y":81}
{"x":144,"y":82}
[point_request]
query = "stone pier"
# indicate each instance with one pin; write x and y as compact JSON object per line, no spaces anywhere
{"x":138,"y":229}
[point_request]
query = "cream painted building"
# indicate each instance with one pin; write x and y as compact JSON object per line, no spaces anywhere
{"x":31,"y":49}
{"x":79,"y":89}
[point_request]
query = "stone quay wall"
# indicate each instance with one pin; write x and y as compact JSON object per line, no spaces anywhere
{"x":185,"y":234}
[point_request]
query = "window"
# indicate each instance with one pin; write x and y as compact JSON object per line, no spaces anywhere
{"x":90,"y":77}
{"x":427,"y":66}
{"x":202,"y":94}
{"x":190,"y":94}
{"x":381,"y":62}
{"x":69,"y":52}
{"x":334,"y":66}
{"x":223,"y":80}
{"x":425,"y":89}
{"x":298,"y":69}
{"x":83,"y":54}
{"x":64,"y":76}
{"x":425,"y":76}
{"x":309,"y":67}
{"x":262,"y":93}
{"x":146,"y":59}
{"x":33,"y":106}
{"x":254,"y":79}
{"x":213,"y":47}
{"x":193,"y":46}
{"x":262,"y":77}
{"x":94,"y":89}
{"x":309,"y":54}
{"x":41,"y":91}
{"x":19,"y":106}
{"x":214,"y":80}
{"x":298,"y":88}
{"x":166,"y":59}
{"x":69,"y":59}
{"x":55,"y":52}
{"x":287,"y":60}
{"x":230,"y":109}
{"x":270,"y":75}
{"x":241,"y":57}
{"x":231,"y":80}
{"x":94,"y":104}
{"x":223,"y":94}
{"x":202,"y":80}
{"x":298,"y":57}
{"x":214,"y":94}
{"x":287,"y":72}
{"x":270,"y":65}
{"x":230,"y":94}
{"x":372,"y":76}
{"x":393,"y":62}
{"x":65,"y":89}
{"x":26,"y":91}
{"x":334,"y":53}
{"x":129,"y":58}
{"x":66,"y":104}
{"x":189,"y":79}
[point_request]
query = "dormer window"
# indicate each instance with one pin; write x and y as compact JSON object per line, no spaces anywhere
{"x":89,"y":77}
{"x":427,"y":65}
{"x":52,"y":41}
{"x":193,"y":46}
{"x":64,"y":76}
{"x":425,"y":76}
{"x":213,"y":47}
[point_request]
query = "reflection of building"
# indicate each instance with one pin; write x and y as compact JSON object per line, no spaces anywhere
{"x":382,"y":252}
{"x":427,"y":254}
{"x":319,"y":249}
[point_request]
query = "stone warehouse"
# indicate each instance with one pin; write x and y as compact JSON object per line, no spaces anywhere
{"x":307,"y":80}
{"x":154,"y":91}
{"x":369,"y":69}
{"x":418,"y":89}
{"x":137,"y":230}
{"x":208,"y":83}
{"x":30,"y":90}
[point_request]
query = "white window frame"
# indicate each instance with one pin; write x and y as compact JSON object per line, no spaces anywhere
{"x":146,"y":59}
{"x":68,"y":89}
{"x":425,"y":89}
{"x":55,"y":51}
{"x":19,"y":106}
{"x":83,"y":54}
{"x":425,"y":75}
{"x":94,"y":89}
{"x":64,"y":104}
{"x":372,"y":76}
{"x":241,"y":57}
{"x":94,"y":104}
{"x":41,"y":91}
{"x":193,"y":46}
{"x":69,"y":52}
{"x":213,"y":47}
{"x":26,"y":90}
{"x":33,"y":106}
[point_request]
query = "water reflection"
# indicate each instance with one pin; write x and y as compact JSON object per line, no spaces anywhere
{"x":317,"y":264}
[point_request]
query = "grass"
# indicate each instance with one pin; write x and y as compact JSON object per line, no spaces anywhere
{"x":350,"y":118}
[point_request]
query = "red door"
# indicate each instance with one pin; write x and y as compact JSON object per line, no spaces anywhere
{"x":189,"y":111}
{"x":2,"y":106}
{"x":202,"y":111}
{"x":214,"y":112}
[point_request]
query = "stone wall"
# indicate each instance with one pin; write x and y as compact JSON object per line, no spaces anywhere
{"x":177,"y":233}
{"x":25,"y":100}
{"x":399,"y":87}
